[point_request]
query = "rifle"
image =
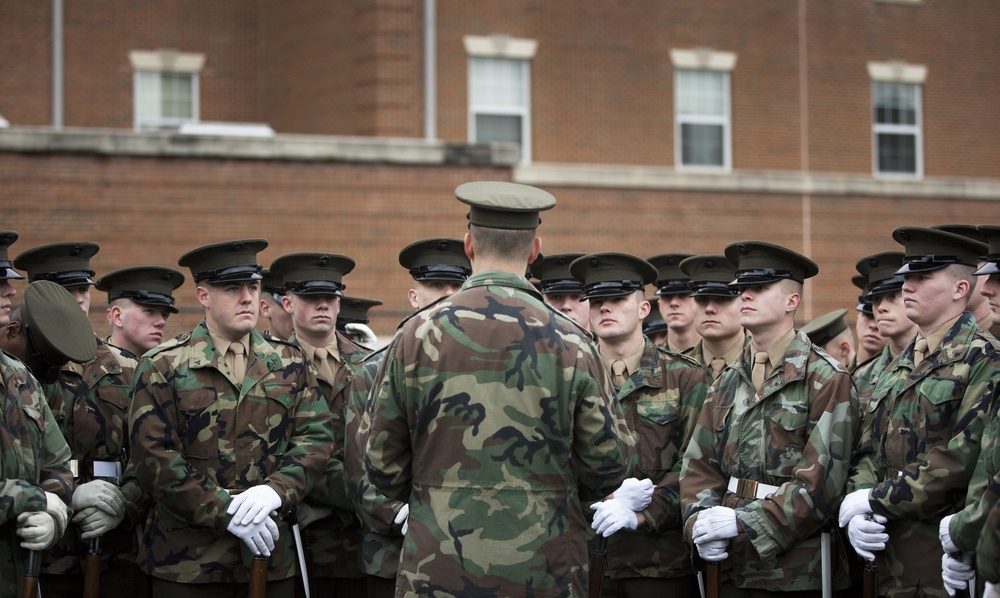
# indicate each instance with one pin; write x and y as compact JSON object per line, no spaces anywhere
{"x":598,"y":563}
{"x":92,"y":570}
{"x":29,"y":589}
{"x":712,"y":569}
{"x":870,"y":577}
{"x":258,"y":577}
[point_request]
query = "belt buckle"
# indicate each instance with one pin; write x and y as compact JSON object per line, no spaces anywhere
{"x":74,"y":467}
{"x":746,"y":488}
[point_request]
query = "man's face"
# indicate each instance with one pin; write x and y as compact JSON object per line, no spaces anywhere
{"x":7,"y":292}
{"x":230,"y":308}
{"x":141,"y":326}
{"x":762,"y":306}
{"x":615,"y":319}
{"x":989,"y":287}
{"x":425,"y":292}
{"x":890,"y":316}
{"x":82,"y":295}
{"x":279,"y":321}
{"x":571,"y":306}
{"x":677,"y":310}
{"x":867,"y":331}
{"x":716,"y":318}
{"x":929,"y":297}
{"x":313,"y":316}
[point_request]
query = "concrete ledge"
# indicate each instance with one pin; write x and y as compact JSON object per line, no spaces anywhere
{"x":770,"y":182}
{"x":330,"y":148}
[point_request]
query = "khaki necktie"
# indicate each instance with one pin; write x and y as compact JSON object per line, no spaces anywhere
{"x":322,"y":362}
{"x":717,"y":366}
{"x":919,"y":351}
{"x":618,"y":370}
{"x":759,"y":367}
{"x":237,"y":361}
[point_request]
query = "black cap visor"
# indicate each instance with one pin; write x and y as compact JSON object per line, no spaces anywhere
{"x":315,"y":287}
{"x":611,"y":288}
{"x":447,"y":272}
{"x":761,"y":276}
{"x":241,"y":273}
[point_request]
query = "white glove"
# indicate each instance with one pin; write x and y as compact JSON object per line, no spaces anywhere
{"x":716,"y":523}
{"x":310,"y":514}
{"x":855,"y":503}
{"x":55,"y":507}
{"x":37,"y":529}
{"x":101,"y":494}
{"x":259,"y":537}
{"x":403,"y":517}
{"x":992,"y":590}
{"x":944,"y":532}
{"x":94,"y":522}
{"x":956,"y":574}
{"x":254,"y":505}
{"x":363,"y":333}
{"x":634,"y":493}
{"x":613,"y":515}
{"x":714,"y":550}
{"x":867,"y":535}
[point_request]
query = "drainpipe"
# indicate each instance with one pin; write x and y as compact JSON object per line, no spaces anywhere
{"x":57,"y":64}
{"x":430,"y":71}
{"x":804,"y":143}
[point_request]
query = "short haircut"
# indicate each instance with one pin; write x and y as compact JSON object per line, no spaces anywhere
{"x":503,"y":244}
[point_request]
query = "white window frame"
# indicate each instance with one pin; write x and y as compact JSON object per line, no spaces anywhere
{"x":902,"y":74}
{"x":502,"y":47}
{"x":164,"y":62}
{"x":704,"y":59}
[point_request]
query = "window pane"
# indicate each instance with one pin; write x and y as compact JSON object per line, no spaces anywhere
{"x":497,"y":82}
{"x":701,"y":145}
{"x":897,"y":153}
{"x":498,"y":128}
{"x":701,"y":92}
{"x":895,"y":104}
{"x":176,"y":99}
{"x":149,"y":95}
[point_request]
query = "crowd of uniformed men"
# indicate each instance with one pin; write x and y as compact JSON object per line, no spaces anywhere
{"x":521,"y":417}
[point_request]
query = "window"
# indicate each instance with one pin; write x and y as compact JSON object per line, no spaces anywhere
{"x":702,"y":123}
{"x":897,"y":148}
{"x":500,"y":91}
{"x":166,"y":88}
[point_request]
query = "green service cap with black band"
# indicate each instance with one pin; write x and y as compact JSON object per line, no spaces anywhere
{"x":759,"y":263}
{"x":552,"y":272}
{"x":653,"y":323}
{"x":670,"y":279}
{"x":56,"y":329}
{"x":354,"y":310}
{"x":7,"y":272}
{"x":826,"y":327}
{"x":145,"y":285}
{"x":229,"y":261}
{"x":441,"y":259}
{"x":710,"y":275}
{"x":992,"y":235}
{"x":611,"y":274}
{"x":509,"y":206}
{"x":313,"y":273}
{"x":928,"y":249}
{"x":66,"y":264}
{"x":864,"y":305}
{"x":879,"y":270}
{"x":270,"y":283}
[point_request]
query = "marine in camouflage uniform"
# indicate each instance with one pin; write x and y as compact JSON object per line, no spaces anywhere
{"x":332,"y":535}
{"x":90,"y":403}
{"x":673,"y":287}
{"x":774,"y":457}
{"x":925,"y":423}
{"x":492,"y":422}
{"x":205,"y":441}
{"x":661,"y":394}
{"x":716,"y":312}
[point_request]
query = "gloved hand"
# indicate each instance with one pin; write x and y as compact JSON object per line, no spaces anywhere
{"x":867,"y":535}
{"x":259,"y":537}
{"x":254,"y":505}
{"x":855,"y":503}
{"x":94,"y":522}
{"x":944,"y":532}
{"x":59,"y":511}
{"x":613,"y":515}
{"x":713,"y":550}
{"x":716,"y":523}
{"x":992,"y":590}
{"x":308,"y":514}
{"x":101,"y":494}
{"x":363,"y":334}
{"x":37,"y":530}
{"x":634,"y":493}
{"x":403,"y":517}
{"x":955,"y":573}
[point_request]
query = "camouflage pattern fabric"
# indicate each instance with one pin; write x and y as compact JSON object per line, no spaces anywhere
{"x":988,"y":547}
{"x":33,"y":460}
{"x":866,"y":375}
{"x":661,"y":402}
{"x":697,"y":353}
{"x":90,"y":403}
{"x":336,"y":540}
{"x":195,"y":436}
{"x":797,"y":435}
{"x":926,"y":422}
{"x":494,"y":419}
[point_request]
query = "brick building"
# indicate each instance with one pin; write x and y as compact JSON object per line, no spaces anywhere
{"x":659,"y":126}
